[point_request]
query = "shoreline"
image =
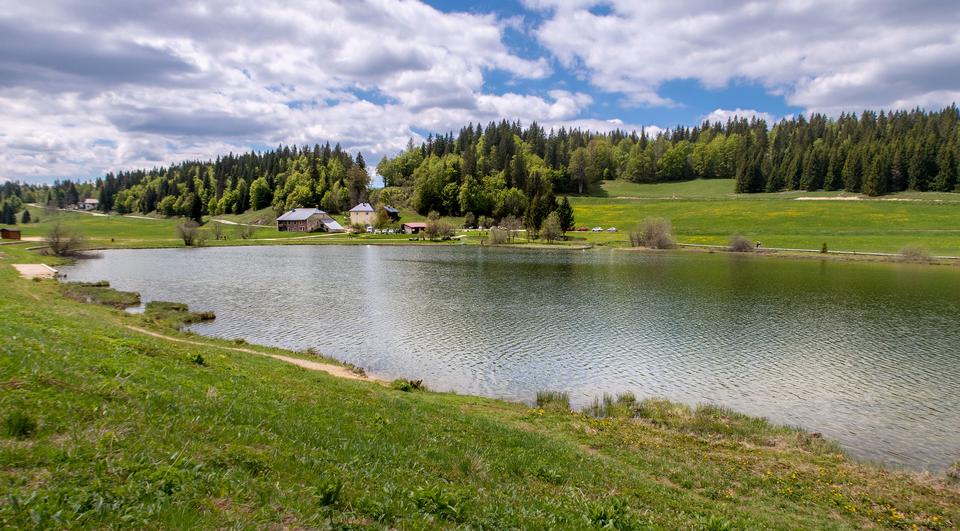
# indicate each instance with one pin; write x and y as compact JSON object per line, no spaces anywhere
{"x":794,"y":254}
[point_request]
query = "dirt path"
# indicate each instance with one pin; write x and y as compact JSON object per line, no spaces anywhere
{"x":329,"y":368}
{"x":30,"y":271}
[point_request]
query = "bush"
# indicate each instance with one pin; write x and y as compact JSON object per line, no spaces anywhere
{"x":823,"y":248}
{"x":62,"y":241}
{"x":555,"y":400}
{"x":552,"y":231}
{"x":499,"y":236}
{"x":654,"y":233}
{"x":739,"y":244}
{"x":189,"y":232}
{"x":19,"y":425}
{"x":408,"y":386}
{"x":439,"y":229}
{"x":244,"y":232}
{"x":197,"y":359}
{"x":915,"y":253}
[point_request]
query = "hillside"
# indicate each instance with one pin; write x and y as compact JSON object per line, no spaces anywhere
{"x":130,"y":430}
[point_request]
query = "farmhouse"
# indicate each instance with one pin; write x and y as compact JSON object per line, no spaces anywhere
{"x":363,"y":214}
{"x":307,"y":220}
{"x":89,"y":204}
{"x":414,"y":227}
{"x":9,"y":234}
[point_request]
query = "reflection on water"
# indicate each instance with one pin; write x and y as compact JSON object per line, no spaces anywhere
{"x":868,"y":354}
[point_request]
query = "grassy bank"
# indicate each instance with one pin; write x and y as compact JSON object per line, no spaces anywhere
{"x":107,"y":426}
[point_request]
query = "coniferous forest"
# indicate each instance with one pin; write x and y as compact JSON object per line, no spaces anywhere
{"x":504,"y":169}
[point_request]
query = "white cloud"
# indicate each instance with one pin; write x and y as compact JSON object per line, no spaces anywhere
{"x":821,"y":55}
{"x":86,"y":88}
{"x":722,"y":115}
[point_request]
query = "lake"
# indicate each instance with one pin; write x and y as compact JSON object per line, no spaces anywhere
{"x":866,"y":353}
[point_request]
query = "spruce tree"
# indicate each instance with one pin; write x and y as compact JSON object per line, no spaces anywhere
{"x":565,"y":212}
{"x":946,"y":180}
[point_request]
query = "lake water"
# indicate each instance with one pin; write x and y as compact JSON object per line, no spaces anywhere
{"x":868,"y":354}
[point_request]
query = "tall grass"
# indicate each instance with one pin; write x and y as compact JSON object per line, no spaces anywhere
{"x":555,"y":400}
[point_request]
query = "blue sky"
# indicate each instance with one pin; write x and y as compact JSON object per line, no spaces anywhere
{"x":87,"y":88}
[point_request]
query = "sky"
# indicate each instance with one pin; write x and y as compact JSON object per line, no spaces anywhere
{"x":88,"y":87}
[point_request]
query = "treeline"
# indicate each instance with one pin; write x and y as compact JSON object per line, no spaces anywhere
{"x":504,"y":169}
{"x":499,"y":169}
{"x":283,"y":178}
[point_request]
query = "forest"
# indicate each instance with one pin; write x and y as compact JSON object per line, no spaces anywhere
{"x":505,"y":169}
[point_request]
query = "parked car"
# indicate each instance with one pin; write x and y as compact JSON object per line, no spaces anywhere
{"x":581,"y":228}
{"x":612,"y":229}
{"x":597,"y":229}
{"x":369,"y":229}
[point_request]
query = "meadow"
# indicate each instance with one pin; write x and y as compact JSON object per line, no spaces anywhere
{"x":704,"y":212}
{"x":105,"y":426}
{"x":708,"y":212}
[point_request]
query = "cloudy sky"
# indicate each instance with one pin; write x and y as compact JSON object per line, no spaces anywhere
{"x":91,"y":86}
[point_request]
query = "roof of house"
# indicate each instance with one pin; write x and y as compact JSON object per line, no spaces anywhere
{"x":390,"y":209}
{"x":333,"y":226}
{"x":416,"y":224}
{"x":9,"y":229}
{"x":300,"y":214}
{"x":362,"y":207}
{"x":92,"y":201}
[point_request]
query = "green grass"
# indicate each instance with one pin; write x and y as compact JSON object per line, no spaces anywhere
{"x":702,"y":213}
{"x":114,"y":428}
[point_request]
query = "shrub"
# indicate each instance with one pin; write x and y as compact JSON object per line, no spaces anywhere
{"x":823,"y":248}
{"x":555,"y":400}
{"x":19,"y":425}
{"x":438,"y":229}
{"x":914,"y":253}
{"x":62,"y":241}
{"x":197,"y":359}
{"x":408,"y":386}
{"x":654,"y":233}
{"x":216,"y":229}
{"x":551,"y":230}
{"x":499,"y":236}
{"x":189,"y":232}
{"x":739,"y":244}
{"x":244,"y":232}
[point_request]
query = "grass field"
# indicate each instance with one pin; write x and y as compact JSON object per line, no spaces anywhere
{"x":107,"y":427}
{"x":702,"y":212}
{"x":707,"y":212}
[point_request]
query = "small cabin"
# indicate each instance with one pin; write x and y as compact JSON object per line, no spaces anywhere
{"x":89,"y":204}
{"x":9,"y":234}
{"x":392,"y":212}
{"x":414,"y":227}
{"x":363,"y":214}
{"x":307,"y":220}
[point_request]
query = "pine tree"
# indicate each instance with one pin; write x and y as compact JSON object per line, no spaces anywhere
{"x":565,"y":213}
{"x":946,"y":180}
{"x":25,"y":218}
